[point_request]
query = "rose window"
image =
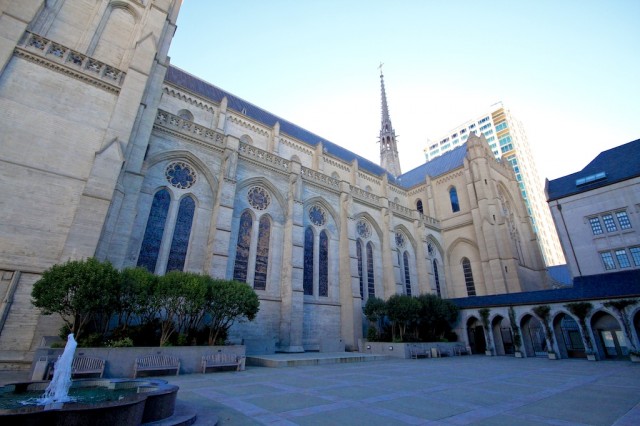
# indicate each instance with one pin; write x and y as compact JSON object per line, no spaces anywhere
{"x":363,"y":229}
{"x":399,"y":240}
{"x":180,"y":175}
{"x":259,"y":198}
{"x":317,"y":216}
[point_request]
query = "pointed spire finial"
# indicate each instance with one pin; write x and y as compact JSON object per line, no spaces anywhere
{"x":388,"y":147}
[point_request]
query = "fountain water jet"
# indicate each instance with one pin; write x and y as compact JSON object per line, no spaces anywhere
{"x":58,"y":389}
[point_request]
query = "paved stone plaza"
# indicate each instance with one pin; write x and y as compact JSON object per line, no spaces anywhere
{"x":462,"y":390}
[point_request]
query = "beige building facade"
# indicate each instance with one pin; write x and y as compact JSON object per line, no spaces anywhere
{"x":113,"y":153}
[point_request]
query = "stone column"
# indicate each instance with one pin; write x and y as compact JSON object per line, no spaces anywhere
{"x":219,"y":243}
{"x":350,"y":299}
{"x":422,"y":266}
{"x":292,"y":295}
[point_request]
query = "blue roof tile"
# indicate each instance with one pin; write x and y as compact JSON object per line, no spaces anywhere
{"x":619,"y":163}
{"x":182,"y":78}
{"x":438,"y":166}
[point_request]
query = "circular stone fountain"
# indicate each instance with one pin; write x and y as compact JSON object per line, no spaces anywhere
{"x":94,"y":402}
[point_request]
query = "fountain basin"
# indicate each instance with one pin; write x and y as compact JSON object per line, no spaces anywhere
{"x":120,"y":402}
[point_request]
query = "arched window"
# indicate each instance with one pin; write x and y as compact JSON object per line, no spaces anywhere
{"x":360,"y":276}
{"x":307,"y":280}
{"x":370,"y":280}
{"x":243,"y":247}
{"x":468,"y":277}
{"x":150,"y":249}
{"x":262,"y":254}
{"x":435,"y":274}
{"x":419,"y":206}
{"x":407,"y":275}
{"x":323,"y":263}
{"x":453,"y":196}
{"x":181,"y":234}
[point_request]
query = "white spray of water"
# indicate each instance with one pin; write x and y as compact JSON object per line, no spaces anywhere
{"x":58,"y":389}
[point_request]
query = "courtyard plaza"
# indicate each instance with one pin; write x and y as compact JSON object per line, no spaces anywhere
{"x":463,"y":390}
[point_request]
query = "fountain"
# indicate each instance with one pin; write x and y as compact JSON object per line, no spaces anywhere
{"x":88,"y":401}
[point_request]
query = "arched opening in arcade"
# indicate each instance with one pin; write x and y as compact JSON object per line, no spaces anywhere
{"x":533,"y":340}
{"x":475,"y":332}
{"x":502,"y":336}
{"x":570,"y":340}
{"x":610,"y":341}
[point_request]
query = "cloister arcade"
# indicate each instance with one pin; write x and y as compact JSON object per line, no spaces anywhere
{"x":609,"y":332}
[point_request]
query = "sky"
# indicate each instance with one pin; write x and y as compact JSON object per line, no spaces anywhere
{"x":569,"y":70}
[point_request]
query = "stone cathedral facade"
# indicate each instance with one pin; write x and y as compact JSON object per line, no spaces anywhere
{"x":107,"y":150}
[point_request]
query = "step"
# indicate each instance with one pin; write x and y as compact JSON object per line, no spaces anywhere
{"x":310,"y":358}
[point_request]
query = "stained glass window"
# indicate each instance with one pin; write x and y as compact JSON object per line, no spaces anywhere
{"x":258,"y":197}
{"x":180,"y":175}
{"x":262,"y":254}
{"x":407,"y":274}
{"x":363,"y":229}
{"x":370,"y":280}
{"x":181,"y":234}
{"x":435,"y":274}
{"x":419,"y":206}
{"x":453,"y":196}
{"x":360,"y":276}
{"x":317,"y":215}
{"x":399,"y":240}
{"x":323,"y":260}
{"x":242,"y":247}
{"x":155,"y":228}
{"x":468,"y":277}
{"x":430,"y":248}
{"x":307,"y":273}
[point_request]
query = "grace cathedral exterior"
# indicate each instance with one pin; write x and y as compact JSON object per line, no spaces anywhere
{"x":107,"y":150}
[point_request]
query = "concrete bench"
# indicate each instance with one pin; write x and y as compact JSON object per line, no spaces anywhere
{"x":156,"y":363}
{"x":220,"y":359}
{"x":416,"y":352}
{"x":87,"y":365}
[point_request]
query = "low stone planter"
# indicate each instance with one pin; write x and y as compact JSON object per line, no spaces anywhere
{"x":488,"y":353}
{"x":402,"y":350}
{"x":120,"y":361}
{"x":634,"y":358}
{"x":518,"y":354}
{"x":592,"y":357}
{"x":552,"y":355}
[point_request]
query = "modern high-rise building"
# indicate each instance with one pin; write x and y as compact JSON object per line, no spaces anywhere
{"x":508,"y":141}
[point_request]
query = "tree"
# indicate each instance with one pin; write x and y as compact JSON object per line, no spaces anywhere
{"x":375,"y":309}
{"x":436,"y":318}
{"x":581,"y":310}
{"x":136,"y":296}
{"x":484,"y":317}
{"x":517,"y":338}
{"x":227,"y":302}
{"x":79,"y":291}
{"x":402,"y":311}
{"x":542,"y":311}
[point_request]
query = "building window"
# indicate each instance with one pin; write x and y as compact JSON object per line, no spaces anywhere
{"x":607,"y":259}
{"x":435,"y":274}
{"x":596,"y":228}
{"x":635,"y":254}
{"x":150,"y":249}
{"x":623,"y":260}
{"x":453,"y":196}
{"x":501,"y":126}
{"x":419,"y":206}
{"x":407,"y":275}
{"x":468,"y":277}
{"x":242,"y":247}
{"x":623,"y":220}
{"x":609,"y":223}
{"x":360,"y":275}
{"x":323,"y":265}
{"x":307,"y":280}
{"x":262,"y":254}
{"x":370,"y":279}
{"x":181,"y":234}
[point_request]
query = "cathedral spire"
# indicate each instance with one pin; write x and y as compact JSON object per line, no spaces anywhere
{"x":388,"y":148}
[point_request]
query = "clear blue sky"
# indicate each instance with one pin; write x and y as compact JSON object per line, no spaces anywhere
{"x":568,"y":69}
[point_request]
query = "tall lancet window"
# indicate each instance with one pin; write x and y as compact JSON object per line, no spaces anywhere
{"x":407,"y":275}
{"x":360,"y":275}
{"x":468,"y":277}
{"x":365,"y":252}
{"x":152,"y":239}
{"x":254,"y":240}
{"x":453,"y":197}
{"x":315,"y":278}
{"x":437,"y":277}
{"x":371,"y":284}
{"x":181,"y":234}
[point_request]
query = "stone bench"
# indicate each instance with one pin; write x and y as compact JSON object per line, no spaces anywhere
{"x":220,"y":359}
{"x":87,"y":365}
{"x":156,"y":363}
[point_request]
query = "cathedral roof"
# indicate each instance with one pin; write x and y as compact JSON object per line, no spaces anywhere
{"x":611,"y":166}
{"x":434,"y":168}
{"x":184,"y":79}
